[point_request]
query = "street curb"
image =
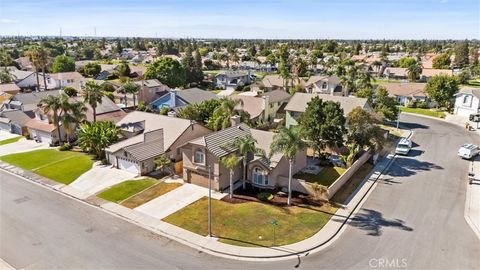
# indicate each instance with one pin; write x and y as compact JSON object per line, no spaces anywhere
{"x":466,"y":214}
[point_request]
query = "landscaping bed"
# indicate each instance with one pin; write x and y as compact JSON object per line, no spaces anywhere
{"x":327,"y":176}
{"x":124,"y":190}
{"x":149,"y":194}
{"x":250,"y":223}
{"x":60,"y":166}
{"x":10,"y":140}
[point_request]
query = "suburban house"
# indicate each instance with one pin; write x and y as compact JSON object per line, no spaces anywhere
{"x":272,"y":82}
{"x":395,"y":73}
{"x":24,"y":63}
{"x":206,"y":152}
{"x":299,"y":102}
{"x":232,"y":79}
{"x":14,"y":122}
{"x":23,"y":79}
{"x":7,"y":90}
{"x":63,"y":79}
{"x":427,"y":73}
{"x":42,"y":129}
{"x":405,"y":93}
{"x":149,"y":135}
{"x":105,"y":71}
{"x":324,"y":85}
{"x":106,"y":110}
{"x":150,"y":90}
{"x":264,"y":106}
{"x":467,"y":101}
{"x":28,"y":102}
{"x":175,"y":99}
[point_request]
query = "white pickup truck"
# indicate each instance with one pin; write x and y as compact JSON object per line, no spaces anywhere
{"x":468,"y":151}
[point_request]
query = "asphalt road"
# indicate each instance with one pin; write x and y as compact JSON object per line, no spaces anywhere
{"x":413,"y":219}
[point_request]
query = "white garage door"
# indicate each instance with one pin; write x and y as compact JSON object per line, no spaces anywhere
{"x":44,"y":137}
{"x":464,"y":111}
{"x":127,"y":166}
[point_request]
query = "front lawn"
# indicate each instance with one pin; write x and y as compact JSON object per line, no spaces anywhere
{"x":427,"y":112}
{"x":149,"y":194}
{"x":11,"y":140}
{"x":61,"y":166}
{"x":250,"y":223}
{"x":325,"y":177}
{"x":124,"y":190}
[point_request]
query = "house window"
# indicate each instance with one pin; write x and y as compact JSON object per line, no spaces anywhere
{"x":199,"y":157}
{"x":324,"y":85}
{"x":259,"y":176}
{"x":466,"y":100}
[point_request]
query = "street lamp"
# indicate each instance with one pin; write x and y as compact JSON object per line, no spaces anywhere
{"x":209,"y":199}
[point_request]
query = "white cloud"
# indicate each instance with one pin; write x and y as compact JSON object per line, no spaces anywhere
{"x":443,"y":1}
{"x":9,"y":21}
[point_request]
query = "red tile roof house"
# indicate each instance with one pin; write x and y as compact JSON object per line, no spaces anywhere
{"x":200,"y":153}
{"x":42,"y":129}
{"x":405,"y":93}
{"x":149,"y":135}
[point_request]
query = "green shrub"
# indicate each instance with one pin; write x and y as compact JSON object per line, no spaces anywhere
{"x":422,"y":105}
{"x":65,"y":147}
{"x":265,"y":196}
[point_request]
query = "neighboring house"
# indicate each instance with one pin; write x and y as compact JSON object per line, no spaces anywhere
{"x":107,"y":110}
{"x":467,"y":101}
{"x":395,"y":73}
{"x":427,"y":73}
{"x":23,"y":79}
{"x":28,"y":102}
{"x":42,"y":129}
{"x":7,"y":90}
{"x":105,"y":71}
{"x":63,"y":79}
{"x":404,"y":93}
{"x":175,"y":99}
{"x":150,"y":90}
{"x":299,"y":102}
{"x":14,"y":121}
{"x":324,"y":85}
{"x":265,"y":106}
{"x":232,"y":79}
{"x":24,"y":63}
{"x":149,"y":135}
{"x":206,"y":151}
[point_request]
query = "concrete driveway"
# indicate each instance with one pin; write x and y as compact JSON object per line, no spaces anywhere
{"x":175,"y":200}
{"x":7,"y":135}
{"x":23,"y":145}
{"x":100,"y":177}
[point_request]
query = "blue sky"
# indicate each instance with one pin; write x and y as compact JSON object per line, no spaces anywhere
{"x":342,"y":19}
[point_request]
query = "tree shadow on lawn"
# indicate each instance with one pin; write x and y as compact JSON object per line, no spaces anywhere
{"x":405,"y":167}
{"x":373,"y":222}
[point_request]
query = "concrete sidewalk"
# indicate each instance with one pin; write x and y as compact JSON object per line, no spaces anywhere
{"x":472,"y":203}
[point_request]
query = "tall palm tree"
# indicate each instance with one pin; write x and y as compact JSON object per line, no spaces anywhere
{"x":414,"y":71}
{"x":75,"y":114}
{"x":56,"y":105}
{"x":129,"y":88}
{"x":33,"y":56}
{"x":43,"y":62}
{"x":245,"y":146}
{"x":288,"y":142}
{"x":223,"y":113}
{"x":230,"y":162}
{"x":93,"y":95}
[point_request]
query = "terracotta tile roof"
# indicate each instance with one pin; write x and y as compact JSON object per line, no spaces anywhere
{"x":405,"y":89}
{"x":430,"y":72}
{"x":9,"y":88}
{"x":39,"y":125}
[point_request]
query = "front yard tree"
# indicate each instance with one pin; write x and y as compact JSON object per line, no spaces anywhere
{"x":162,"y":162}
{"x":414,"y":71}
{"x":75,"y":114}
{"x":385,"y":105}
{"x":442,"y":61}
{"x":91,"y":70}
{"x":245,"y":146}
{"x":95,"y":137}
{"x":93,"y":95}
{"x":288,"y":142}
{"x":231,"y":162}
{"x":168,"y":71}
{"x":130,"y":88}
{"x":63,"y":63}
{"x":56,"y":105}
{"x":363,"y":129}
{"x":323,"y":124}
{"x":441,"y":89}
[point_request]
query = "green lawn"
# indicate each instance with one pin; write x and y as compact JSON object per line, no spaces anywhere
{"x":427,"y":112}
{"x":249,"y":224}
{"x":11,"y":140}
{"x":120,"y":192}
{"x":61,"y":166}
{"x":325,"y":177}
{"x":473,"y":83}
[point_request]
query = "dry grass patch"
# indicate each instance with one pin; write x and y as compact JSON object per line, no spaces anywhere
{"x":149,"y":194}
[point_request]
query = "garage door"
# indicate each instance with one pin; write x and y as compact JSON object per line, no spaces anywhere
{"x":464,"y":112}
{"x":128,"y":166}
{"x":198,"y":179}
{"x":44,"y":137}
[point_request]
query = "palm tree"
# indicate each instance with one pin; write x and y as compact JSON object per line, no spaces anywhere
{"x":221,"y":115}
{"x":288,"y":142}
{"x":245,"y":146}
{"x":56,"y":105}
{"x":75,"y":114}
{"x":93,"y":95}
{"x":231,"y":162}
{"x":43,"y":62}
{"x":33,"y":56}
{"x":414,"y":71}
{"x":95,"y":137}
{"x":129,"y":88}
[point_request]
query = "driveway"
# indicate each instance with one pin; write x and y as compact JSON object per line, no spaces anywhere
{"x":175,"y":200}
{"x":23,"y":145}
{"x":100,"y":177}
{"x":7,"y":135}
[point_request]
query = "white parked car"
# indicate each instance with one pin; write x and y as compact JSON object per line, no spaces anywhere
{"x":468,"y":151}
{"x":403,"y":147}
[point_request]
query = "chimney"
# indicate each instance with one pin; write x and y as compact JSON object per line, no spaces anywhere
{"x":265,"y":106}
{"x":173,"y":97}
{"x":235,"y":120}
